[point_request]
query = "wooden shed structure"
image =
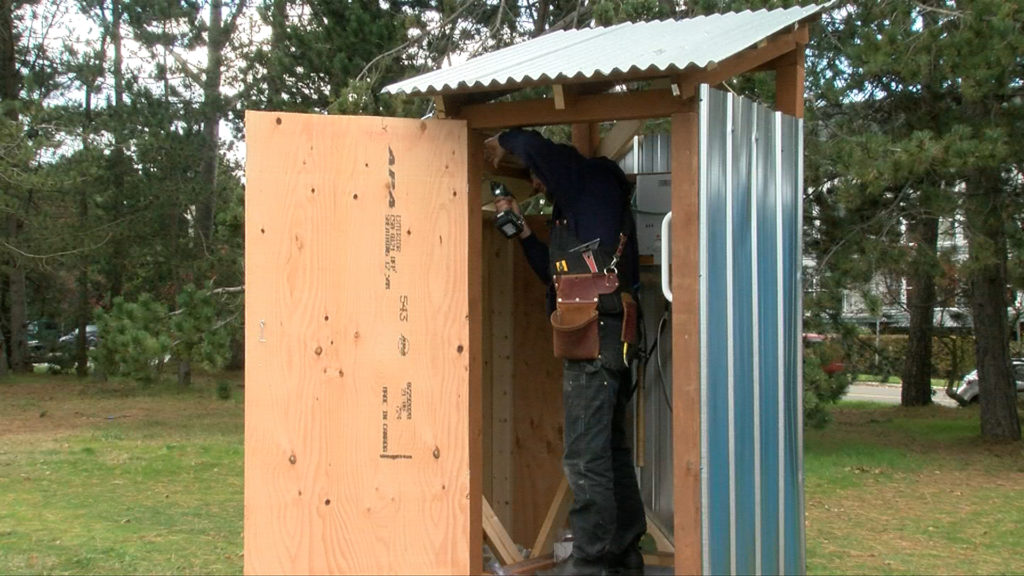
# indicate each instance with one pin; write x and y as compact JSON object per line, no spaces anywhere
{"x":402,"y":403}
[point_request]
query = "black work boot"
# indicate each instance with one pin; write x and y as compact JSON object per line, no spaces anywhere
{"x":630,"y":561}
{"x":573,"y":566}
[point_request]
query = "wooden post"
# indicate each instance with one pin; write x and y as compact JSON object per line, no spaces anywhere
{"x":474,"y":344}
{"x":585,"y":137}
{"x":686,"y":413}
{"x":789,"y":83}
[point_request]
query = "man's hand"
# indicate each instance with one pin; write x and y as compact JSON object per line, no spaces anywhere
{"x":493,"y":152}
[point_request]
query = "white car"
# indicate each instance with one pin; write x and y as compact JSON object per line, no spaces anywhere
{"x":967,"y":391}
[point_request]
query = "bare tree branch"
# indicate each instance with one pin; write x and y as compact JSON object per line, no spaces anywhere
{"x":54,"y":254}
{"x":412,"y":42}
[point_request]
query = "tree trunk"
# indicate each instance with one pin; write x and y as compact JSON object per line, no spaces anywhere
{"x":917,"y":385}
{"x":185,"y":373}
{"x":207,"y":205}
{"x":988,"y":297}
{"x":82,"y":303}
{"x":278,"y":45}
{"x":10,"y":82}
{"x":118,"y":161}
{"x":10,"y":95}
{"x":4,"y":369}
{"x":17,"y":294}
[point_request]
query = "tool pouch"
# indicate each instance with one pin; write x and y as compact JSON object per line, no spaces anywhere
{"x":575,"y":319}
{"x":574,"y":331}
{"x":629,"y":319}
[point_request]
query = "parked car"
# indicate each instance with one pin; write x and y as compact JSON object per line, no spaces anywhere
{"x":61,"y":351}
{"x":967,"y":391}
{"x":91,"y":337}
{"x":42,"y":337}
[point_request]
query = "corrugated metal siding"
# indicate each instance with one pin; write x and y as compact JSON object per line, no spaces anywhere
{"x":752,"y":487}
{"x":662,"y":46}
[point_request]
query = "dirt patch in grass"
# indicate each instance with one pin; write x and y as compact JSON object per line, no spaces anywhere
{"x":47,"y":404}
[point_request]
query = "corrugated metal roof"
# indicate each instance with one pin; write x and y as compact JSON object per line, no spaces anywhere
{"x":593,"y":53}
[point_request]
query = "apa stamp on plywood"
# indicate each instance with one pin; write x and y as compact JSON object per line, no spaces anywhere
{"x":392,"y":246}
{"x":392,"y":225}
{"x":404,"y":409}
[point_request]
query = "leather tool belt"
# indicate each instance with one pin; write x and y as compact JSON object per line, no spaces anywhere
{"x":574,"y":320}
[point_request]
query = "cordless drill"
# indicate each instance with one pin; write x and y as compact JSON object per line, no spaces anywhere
{"x":508,"y":222}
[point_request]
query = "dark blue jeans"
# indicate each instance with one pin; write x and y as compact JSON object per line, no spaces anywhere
{"x":607,"y":514}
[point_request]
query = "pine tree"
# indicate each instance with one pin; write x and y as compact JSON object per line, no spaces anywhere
{"x":915,"y":104}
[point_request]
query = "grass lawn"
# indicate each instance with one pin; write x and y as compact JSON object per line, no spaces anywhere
{"x":105,"y":478}
{"x":111,"y":478}
{"x":892,"y":490}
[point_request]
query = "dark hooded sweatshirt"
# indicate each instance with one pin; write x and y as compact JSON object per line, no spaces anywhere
{"x":591,"y":194}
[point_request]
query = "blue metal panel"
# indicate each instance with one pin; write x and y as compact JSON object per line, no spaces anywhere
{"x":715,"y":370}
{"x":752,"y":500}
{"x":766,"y":262}
{"x":791,"y":197}
{"x":742,"y":384}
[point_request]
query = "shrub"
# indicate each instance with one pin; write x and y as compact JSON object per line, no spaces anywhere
{"x":133,"y":338}
{"x":952,"y":354}
{"x":821,"y":390}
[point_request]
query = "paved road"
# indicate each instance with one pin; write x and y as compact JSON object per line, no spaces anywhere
{"x":889,"y":394}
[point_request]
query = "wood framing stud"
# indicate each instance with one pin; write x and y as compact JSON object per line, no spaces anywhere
{"x":440,"y":109}
{"x":619,"y":139}
{"x":557,"y":514}
{"x":530,"y":567}
{"x":662,"y":542}
{"x":504,"y":547}
{"x":659,"y":559}
{"x":585,"y":138}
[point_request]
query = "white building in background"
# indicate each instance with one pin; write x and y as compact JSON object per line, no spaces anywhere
{"x":651,"y":154}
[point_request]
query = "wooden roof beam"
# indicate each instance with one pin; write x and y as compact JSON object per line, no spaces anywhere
{"x":617,"y":141}
{"x":585,"y":109}
{"x":448,"y":105}
{"x":750,"y":59}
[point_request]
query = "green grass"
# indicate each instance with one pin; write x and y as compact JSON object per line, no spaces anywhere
{"x":891,"y":490}
{"x":112,"y":478}
{"x":936,"y":382}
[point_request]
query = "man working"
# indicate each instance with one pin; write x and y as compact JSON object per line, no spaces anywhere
{"x":592,"y":241}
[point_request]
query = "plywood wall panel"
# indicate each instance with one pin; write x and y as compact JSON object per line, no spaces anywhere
{"x":359,"y":434}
